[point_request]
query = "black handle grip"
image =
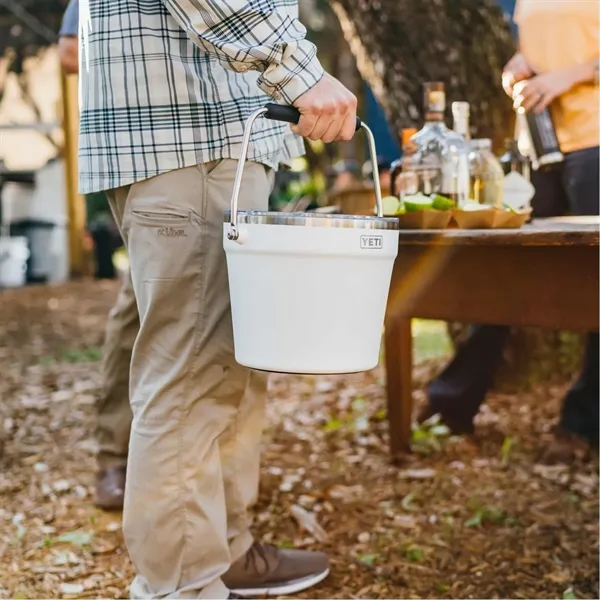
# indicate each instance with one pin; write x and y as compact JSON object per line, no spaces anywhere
{"x":290,"y":114}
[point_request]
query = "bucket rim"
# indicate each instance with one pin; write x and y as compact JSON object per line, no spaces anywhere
{"x":263,"y":217}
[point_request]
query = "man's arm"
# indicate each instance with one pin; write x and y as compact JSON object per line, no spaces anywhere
{"x":68,"y":50}
{"x":251,"y":34}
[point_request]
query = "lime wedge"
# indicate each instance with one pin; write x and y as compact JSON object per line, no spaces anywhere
{"x":417,"y":202}
{"x":391,"y":205}
{"x":442,"y":202}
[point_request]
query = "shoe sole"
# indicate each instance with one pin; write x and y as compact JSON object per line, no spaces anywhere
{"x":283,"y":589}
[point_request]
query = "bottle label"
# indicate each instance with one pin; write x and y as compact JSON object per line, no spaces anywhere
{"x":544,"y":142}
{"x":436,"y":101}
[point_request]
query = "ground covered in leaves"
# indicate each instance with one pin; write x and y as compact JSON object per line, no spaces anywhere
{"x":460,"y":519}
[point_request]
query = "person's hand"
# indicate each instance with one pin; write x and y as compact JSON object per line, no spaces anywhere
{"x":327,"y":112}
{"x":537,"y":93}
{"x":516,"y":69}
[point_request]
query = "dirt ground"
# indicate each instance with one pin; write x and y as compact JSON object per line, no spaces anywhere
{"x":460,"y":519}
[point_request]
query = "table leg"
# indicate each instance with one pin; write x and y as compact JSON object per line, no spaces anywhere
{"x":398,"y":363}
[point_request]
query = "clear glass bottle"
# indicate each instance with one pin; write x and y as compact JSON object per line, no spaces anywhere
{"x":487,"y":176}
{"x":518,"y":190}
{"x":404,"y":182}
{"x":460,"y":113}
{"x":513,"y":161}
{"x":437,"y":152}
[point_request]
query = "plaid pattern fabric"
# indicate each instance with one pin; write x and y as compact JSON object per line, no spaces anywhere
{"x":167,"y":84}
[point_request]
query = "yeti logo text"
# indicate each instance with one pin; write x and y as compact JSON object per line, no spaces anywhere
{"x":371,"y":242}
{"x":171,"y":232}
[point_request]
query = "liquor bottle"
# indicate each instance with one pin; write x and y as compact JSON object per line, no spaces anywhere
{"x":542,"y":142}
{"x":513,"y":161}
{"x":486,"y":174}
{"x":439,"y":153}
{"x":517,"y":188}
{"x":461,"y":113}
{"x":396,"y":166}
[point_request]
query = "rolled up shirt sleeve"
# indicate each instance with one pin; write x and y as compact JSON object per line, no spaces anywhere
{"x":253,"y":34}
{"x":70,"y":22}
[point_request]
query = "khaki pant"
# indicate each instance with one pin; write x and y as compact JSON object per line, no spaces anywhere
{"x":114,"y":413}
{"x":193,"y":464}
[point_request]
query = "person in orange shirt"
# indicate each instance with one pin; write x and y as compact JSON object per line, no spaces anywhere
{"x":556,"y":67}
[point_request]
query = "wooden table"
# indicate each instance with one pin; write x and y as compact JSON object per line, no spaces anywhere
{"x":545,"y":275}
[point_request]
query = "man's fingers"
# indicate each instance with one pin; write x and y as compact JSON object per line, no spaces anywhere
{"x":305,"y":125}
{"x":529,"y":99}
{"x":327,"y":108}
{"x":544,"y":101}
{"x":348,"y":128}
{"x":324,"y":124}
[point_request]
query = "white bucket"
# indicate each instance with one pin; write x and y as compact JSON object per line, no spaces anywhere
{"x":308,"y":290}
{"x":13,"y":261}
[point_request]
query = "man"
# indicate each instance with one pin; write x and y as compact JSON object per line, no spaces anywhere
{"x":114,"y":414}
{"x":547,"y":71}
{"x":166,"y":88}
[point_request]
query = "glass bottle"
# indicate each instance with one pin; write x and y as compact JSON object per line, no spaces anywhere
{"x":513,"y":161}
{"x":438,"y":152}
{"x":541,"y":140}
{"x":517,"y":187}
{"x":403,"y":181}
{"x":461,"y":111}
{"x":487,"y":176}
{"x":460,"y":114}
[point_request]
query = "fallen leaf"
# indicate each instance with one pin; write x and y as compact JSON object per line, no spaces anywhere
{"x":417,"y":474}
{"x":307,"y":520}
{"x":71,"y":589}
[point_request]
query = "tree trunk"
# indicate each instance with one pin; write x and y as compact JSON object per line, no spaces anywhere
{"x":400,"y":44}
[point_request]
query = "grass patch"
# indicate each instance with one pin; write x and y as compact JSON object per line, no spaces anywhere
{"x":74,"y":355}
{"x":430,"y":340}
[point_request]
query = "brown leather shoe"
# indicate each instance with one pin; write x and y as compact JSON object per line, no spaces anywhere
{"x":458,"y":425}
{"x":269,"y":571}
{"x":110,"y":488}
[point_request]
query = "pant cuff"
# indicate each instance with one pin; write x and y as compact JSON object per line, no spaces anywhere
{"x":239,"y":545}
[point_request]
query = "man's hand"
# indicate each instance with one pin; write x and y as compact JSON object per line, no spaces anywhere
{"x":516,"y":69}
{"x":328,"y":112}
{"x":537,"y":93}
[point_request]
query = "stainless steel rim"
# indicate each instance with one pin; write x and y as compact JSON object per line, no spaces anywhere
{"x":233,"y":233}
{"x":259,"y":217}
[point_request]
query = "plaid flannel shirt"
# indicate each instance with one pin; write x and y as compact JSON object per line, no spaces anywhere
{"x":167,"y":84}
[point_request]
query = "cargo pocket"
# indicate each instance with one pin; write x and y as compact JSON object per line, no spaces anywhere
{"x":166,"y":247}
{"x":165,"y":243}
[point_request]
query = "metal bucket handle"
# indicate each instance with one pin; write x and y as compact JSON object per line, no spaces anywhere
{"x":289,"y":114}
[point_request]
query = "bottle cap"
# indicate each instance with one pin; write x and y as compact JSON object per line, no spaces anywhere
{"x":434,"y":97}
{"x":461,"y":108}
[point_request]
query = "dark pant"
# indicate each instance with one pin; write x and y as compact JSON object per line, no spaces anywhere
{"x":461,"y":387}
